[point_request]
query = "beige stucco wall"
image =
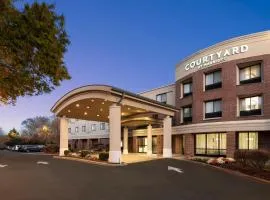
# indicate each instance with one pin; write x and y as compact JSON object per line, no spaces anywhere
{"x":168,"y":89}
{"x":257,"y":43}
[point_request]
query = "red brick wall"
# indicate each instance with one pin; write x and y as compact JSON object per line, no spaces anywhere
{"x":189,"y":142}
{"x":228,"y":93}
{"x":231,"y":144}
{"x":264,"y":140}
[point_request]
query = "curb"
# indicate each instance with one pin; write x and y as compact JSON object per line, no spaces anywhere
{"x":229,"y":171}
{"x":90,"y":161}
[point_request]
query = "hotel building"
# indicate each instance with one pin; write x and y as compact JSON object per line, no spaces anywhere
{"x":220,"y":102}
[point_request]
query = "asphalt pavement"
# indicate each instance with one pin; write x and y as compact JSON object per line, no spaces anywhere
{"x":41,"y":177}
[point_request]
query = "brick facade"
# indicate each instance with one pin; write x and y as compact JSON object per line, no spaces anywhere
{"x":231,"y":144}
{"x":189,"y":143}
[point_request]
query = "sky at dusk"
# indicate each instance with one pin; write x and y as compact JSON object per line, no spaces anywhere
{"x":135,"y":44}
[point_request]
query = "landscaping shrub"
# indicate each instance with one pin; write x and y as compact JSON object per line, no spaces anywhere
{"x":84,"y":153}
{"x":103,"y":156}
{"x":252,"y":158}
{"x":51,"y":148}
{"x":66,"y":152}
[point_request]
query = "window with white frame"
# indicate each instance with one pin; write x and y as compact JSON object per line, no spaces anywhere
{"x":83,"y":128}
{"x":250,"y":106}
{"x":213,"y":108}
{"x":187,"y":89}
{"x":213,"y":80}
{"x":76,"y":129}
{"x":187,"y":114}
{"x":102,"y":126}
{"x":93,"y":127}
{"x":250,"y":74}
{"x":248,"y":140}
{"x":162,"y":98}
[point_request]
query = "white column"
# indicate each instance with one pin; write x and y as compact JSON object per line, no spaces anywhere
{"x":149,"y":140}
{"x":115,"y":134}
{"x":125,"y":149}
{"x":63,"y":136}
{"x":167,"y":137}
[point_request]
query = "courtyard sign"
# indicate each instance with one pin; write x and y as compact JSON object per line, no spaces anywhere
{"x":217,"y":57}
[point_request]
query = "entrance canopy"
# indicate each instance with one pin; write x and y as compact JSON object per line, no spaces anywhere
{"x":92,"y":102}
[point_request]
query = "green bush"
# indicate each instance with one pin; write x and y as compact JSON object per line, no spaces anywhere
{"x":103,"y":156}
{"x":66,"y":152}
{"x":252,"y":158}
{"x":51,"y":148}
{"x":84,"y":153}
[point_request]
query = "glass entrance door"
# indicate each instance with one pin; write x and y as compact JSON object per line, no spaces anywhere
{"x":142,"y":144}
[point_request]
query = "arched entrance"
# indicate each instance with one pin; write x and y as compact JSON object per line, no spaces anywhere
{"x":119,"y":108}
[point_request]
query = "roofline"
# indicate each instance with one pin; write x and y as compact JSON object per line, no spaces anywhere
{"x":156,"y":88}
{"x":119,"y":90}
{"x":242,"y":37}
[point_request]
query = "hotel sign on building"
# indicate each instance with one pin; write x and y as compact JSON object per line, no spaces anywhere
{"x":216,"y":57}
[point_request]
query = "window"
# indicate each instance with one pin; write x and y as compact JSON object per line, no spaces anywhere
{"x":248,"y":140}
{"x":69,"y":130}
{"x":187,"y":89}
{"x":213,"y":80}
{"x":211,"y":144}
{"x":251,"y":74}
{"x":76,"y":129}
{"x":83,"y":128}
{"x":251,"y":106}
{"x":187,"y":114}
{"x":93,"y":127}
{"x":162,"y":98}
{"x":102,"y":126}
{"x":213,"y":109}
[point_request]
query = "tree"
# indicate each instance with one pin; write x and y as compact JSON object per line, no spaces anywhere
{"x":13,"y":133}
{"x":33,"y":41}
{"x":41,"y":128}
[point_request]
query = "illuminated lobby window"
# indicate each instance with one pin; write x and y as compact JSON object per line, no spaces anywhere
{"x":213,"y":80}
{"x":211,"y":144}
{"x":248,"y":140}
{"x":250,"y":74}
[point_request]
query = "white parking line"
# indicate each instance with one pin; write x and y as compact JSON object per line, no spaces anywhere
{"x":175,"y":169}
{"x":2,"y":166}
{"x":42,"y":163}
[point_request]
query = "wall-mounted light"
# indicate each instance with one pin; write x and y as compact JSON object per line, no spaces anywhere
{"x":77,"y":105}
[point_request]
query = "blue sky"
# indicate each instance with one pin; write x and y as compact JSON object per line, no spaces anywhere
{"x":135,"y":44}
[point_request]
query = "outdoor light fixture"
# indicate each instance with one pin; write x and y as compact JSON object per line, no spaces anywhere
{"x":103,"y":102}
{"x":101,"y":109}
{"x":97,"y":115}
{"x":77,"y":105}
{"x":85,"y":113}
{"x":87,"y":107}
{"x":92,"y":100}
{"x":69,"y":111}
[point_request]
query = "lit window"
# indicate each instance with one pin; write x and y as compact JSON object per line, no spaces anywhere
{"x":248,"y":140}
{"x":83,"y":128}
{"x":250,"y":74}
{"x":251,"y":106}
{"x":93,"y":127}
{"x":162,"y":98}
{"x":213,"y":109}
{"x":187,"y":89}
{"x":76,"y":129}
{"x":211,"y":144}
{"x":102,"y":126}
{"x":213,"y":80}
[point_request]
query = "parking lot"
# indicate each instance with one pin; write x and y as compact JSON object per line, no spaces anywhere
{"x":34,"y":176}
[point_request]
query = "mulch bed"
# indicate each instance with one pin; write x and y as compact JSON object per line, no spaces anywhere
{"x":264,"y":174}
